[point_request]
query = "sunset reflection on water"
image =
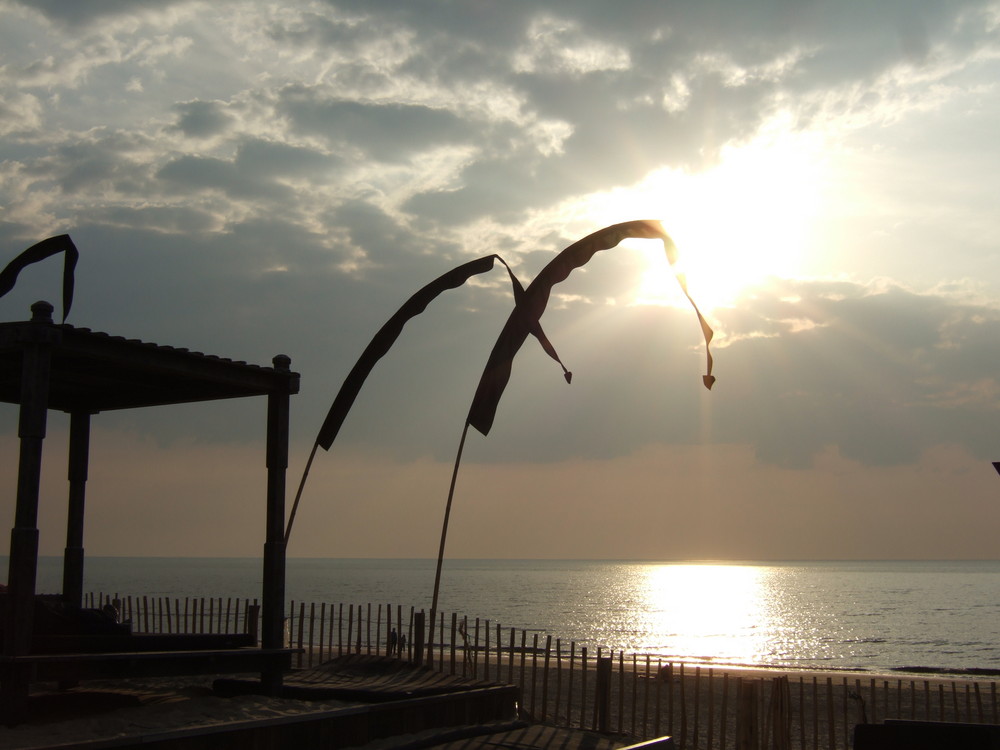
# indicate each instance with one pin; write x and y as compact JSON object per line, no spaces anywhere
{"x":707,"y":612}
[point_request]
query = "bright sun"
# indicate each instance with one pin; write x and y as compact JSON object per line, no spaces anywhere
{"x":735,"y":225}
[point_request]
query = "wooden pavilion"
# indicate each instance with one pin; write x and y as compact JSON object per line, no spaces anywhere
{"x":45,"y":366}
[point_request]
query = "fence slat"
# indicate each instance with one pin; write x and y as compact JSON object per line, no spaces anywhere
{"x":312,"y":630}
{"x":558,"y":677}
{"x":697,"y":704}
{"x":705,"y":718}
{"x":350,"y":626}
{"x":534,"y":673}
{"x":569,"y":690}
{"x":302,"y":617}
{"x":545,"y":677}
{"x":621,"y":691}
{"x":322,"y":630}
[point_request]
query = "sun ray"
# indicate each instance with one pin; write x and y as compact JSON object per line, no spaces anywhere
{"x":736,"y":225}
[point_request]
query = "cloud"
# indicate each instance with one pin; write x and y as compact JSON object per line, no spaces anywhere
{"x":387,"y":132}
{"x":78,"y":14}
{"x":254,"y":178}
{"x":864,"y":375}
{"x":256,"y":172}
{"x":19,"y":112}
{"x":200,"y":119}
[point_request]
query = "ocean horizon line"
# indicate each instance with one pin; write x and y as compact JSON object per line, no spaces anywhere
{"x":603,"y":560}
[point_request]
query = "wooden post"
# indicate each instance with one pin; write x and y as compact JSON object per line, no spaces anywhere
{"x":746,"y":716}
{"x":312,"y":630}
{"x":682,"y":698}
{"x":534,"y":672}
{"x":499,"y":654}
{"x":418,"y":638}
{"x":711,"y":706}
{"x":23,"y":561}
{"x":831,"y":726}
{"x":510,"y":663}
{"x":253,"y":615}
{"x":558,"y":676}
{"x":602,"y":694}
{"x":545,"y":676}
{"x":524,"y":651}
{"x":368,"y":630}
{"x":464,"y":632}
{"x":486,"y":650}
{"x":779,"y":716}
{"x":340,"y":630}
{"x":475,"y":653}
{"x":454,"y":633}
{"x":322,"y":631}
{"x":273,"y":589}
{"x":635,"y":695}
{"x":645,"y":700}
{"x":302,"y":619}
{"x":569,"y":683}
{"x":79,"y":457}
{"x":621,"y":691}
{"x":697,"y":701}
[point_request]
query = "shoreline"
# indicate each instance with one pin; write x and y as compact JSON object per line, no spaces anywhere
{"x":901,"y":672}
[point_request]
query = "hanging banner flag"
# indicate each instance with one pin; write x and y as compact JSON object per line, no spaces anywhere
{"x":388,"y":333}
{"x":40,"y":251}
{"x":525,"y":317}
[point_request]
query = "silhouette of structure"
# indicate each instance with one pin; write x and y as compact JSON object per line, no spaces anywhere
{"x":45,"y":366}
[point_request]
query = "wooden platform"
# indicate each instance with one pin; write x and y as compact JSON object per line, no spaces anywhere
{"x":341,"y":728}
{"x":90,"y":666}
{"x":46,"y":366}
{"x":361,"y":678}
{"x":114,"y":643}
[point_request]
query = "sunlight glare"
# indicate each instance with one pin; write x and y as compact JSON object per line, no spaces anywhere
{"x":712,"y":612}
{"x":737,"y":224}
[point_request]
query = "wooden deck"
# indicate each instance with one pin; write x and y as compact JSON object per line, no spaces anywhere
{"x":431,"y":723}
{"x":395,"y":705}
{"x":362,"y":678}
{"x":90,"y":666}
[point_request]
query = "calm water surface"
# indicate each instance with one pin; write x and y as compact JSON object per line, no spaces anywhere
{"x":833,"y":615}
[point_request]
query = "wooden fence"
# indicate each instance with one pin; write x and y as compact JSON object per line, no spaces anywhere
{"x":702,"y":707}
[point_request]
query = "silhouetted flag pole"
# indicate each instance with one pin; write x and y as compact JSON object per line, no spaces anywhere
{"x":383,"y":341}
{"x":40,"y":251}
{"x":524,"y":319}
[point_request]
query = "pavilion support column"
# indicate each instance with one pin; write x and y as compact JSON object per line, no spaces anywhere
{"x":79,"y":458}
{"x":273,"y":594}
{"x":22,"y":567}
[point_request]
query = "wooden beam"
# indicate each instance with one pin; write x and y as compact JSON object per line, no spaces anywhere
{"x":79,"y":458}
{"x":273,"y":594}
{"x":23,"y":562}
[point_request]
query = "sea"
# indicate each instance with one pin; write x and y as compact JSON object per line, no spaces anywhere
{"x":870,"y":616}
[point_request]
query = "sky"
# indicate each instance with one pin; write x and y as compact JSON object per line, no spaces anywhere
{"x":255,"y":178}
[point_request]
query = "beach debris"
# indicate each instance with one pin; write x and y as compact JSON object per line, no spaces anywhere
{"x":40,"y":251}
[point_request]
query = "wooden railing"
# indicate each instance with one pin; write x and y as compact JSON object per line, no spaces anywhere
{"x":702,"y":707}
{"x":189,"y":615}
